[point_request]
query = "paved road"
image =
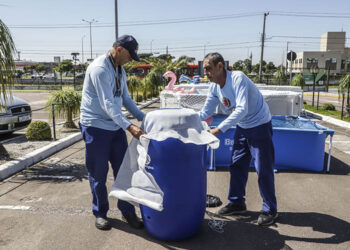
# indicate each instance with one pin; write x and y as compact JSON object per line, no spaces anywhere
{"x":37,"y":100}
{"x":55,"y":213}
{"x":324,"y":98}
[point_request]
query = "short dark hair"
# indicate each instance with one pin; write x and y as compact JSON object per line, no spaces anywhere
{"x":215,"y":58}
{"x":115,"y":45}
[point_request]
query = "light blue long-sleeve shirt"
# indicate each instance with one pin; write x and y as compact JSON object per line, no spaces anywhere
{"x":100,"y":107}
{"x":239,"y":95}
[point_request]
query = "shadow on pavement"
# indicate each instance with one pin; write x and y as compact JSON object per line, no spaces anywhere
{"x":59,"y":172}
{"x":242,"y":232}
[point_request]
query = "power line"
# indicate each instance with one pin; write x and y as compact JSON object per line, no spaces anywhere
{"x":309,"y":37}
{"x":137,"y":23}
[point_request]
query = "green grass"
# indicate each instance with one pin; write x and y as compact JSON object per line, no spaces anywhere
{"x":335,"y":114}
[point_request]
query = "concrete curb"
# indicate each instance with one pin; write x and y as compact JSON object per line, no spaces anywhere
{"x":328,"y":119}
{"x":12,"y":167}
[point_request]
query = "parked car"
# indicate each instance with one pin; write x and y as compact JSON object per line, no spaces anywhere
{"x":16,"y":114}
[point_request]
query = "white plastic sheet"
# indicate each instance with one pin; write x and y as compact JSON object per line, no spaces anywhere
{"x":134,"y":183}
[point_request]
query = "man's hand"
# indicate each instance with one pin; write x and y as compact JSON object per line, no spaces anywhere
{"x":215,"y":131}
{"x":135,"y":131}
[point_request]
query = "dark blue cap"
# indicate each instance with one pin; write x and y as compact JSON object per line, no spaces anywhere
{"x":129,"y":43}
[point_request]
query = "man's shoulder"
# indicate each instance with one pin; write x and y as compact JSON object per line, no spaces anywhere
{"x":237,"y":74}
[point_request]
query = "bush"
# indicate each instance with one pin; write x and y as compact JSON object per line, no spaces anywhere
{"x":328,"y":106}
{"x":139,"y":98}
{"x":149,"y":96}
{"x":38,"y":130}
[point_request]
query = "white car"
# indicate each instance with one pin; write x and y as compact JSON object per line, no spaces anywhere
{"x":16,"y":114}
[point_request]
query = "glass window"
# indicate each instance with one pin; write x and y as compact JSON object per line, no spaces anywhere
{"x":311,"y":62}
{"x":331,"y":63}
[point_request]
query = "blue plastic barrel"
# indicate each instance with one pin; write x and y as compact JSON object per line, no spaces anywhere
{"x":180,"y":171}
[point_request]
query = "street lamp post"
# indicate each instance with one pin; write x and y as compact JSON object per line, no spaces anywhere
{"x":82,"y":49}
{"x":314,"y":71}
{"x":90,"y":22}
{"x":74,"y":55}
{"x":151,"y":45}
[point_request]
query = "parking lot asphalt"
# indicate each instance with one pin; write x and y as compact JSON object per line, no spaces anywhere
{"x":48,"y":206}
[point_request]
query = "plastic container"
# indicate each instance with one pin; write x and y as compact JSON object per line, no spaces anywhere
{"x":299,"y":144}
{"x":180,"y":171}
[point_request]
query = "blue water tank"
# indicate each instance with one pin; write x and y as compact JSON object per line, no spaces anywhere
{"x":180,"y":171}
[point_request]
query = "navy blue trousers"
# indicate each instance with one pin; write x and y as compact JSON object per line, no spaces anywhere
{"x":253,"y":144}
{"x":103,"y":146}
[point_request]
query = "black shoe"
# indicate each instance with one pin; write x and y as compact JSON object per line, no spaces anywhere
{"x":102,"y":223}
{"x":266,"y":219}
{"x":213,"y":201}
{"x":133,"y":221}
{"x":231,"y":209}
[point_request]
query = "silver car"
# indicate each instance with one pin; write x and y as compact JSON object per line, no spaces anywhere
{"x":15,"y":115}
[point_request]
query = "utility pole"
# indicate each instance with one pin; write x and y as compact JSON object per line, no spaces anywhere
{"x":90,"y":22}
{"x":262,"y":47}
{"x":82,"y":49}
{"x":167,"y":49}
{"x":287,"y":59}
{"x":19,"y":55}
{"x":116,"y":18}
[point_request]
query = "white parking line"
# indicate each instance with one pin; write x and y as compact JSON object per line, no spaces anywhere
{"x":4,"y":207}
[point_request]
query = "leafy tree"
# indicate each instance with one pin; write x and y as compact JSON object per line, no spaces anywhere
{"x":40,"y":68}
{"x":65,"y":66}
{"x":7,"y":68}
{"x":270,"y":67}
{"x":256,"y":67}
{"x":29,"y":68}
{"x":247,"y":65}
{"x":239,"y":65}
{"x":67,"y":104}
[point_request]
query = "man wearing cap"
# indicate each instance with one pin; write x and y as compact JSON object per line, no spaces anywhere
{"x":103,"y":125}
{"x":252,"y":138}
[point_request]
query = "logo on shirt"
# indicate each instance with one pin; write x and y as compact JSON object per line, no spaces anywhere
{"x":226,"y":102}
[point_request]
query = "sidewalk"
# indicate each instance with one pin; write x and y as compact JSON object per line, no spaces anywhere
{"x":48,"y":206}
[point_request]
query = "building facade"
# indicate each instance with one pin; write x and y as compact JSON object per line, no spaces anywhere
{"x":333,"y":56}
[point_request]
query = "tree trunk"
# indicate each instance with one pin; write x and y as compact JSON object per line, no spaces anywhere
{"x":69,"y":123}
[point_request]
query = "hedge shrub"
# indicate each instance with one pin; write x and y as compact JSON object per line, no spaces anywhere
{"x":328,"y":106}
{"x":38,"y":130}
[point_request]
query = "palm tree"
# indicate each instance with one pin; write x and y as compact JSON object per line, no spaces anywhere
{"x":298,"y":80}
{"x":164,"y":63}
{"x":344,"y":87}
{"x":7,"y":64}
{"x":133,"y":82}
{"x":7,"y":68}
{"x":280,"y":76}
{"x":67,"y":104}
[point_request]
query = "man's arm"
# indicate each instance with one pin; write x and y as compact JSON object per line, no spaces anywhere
{"x":210,"y":105}
{"x":101,"y":81}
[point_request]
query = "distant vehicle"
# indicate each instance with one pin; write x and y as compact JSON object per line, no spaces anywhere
{"x":15,"y":115}
{"x":80,"y":76}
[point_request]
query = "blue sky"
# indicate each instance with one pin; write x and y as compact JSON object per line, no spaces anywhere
{"x":235,"y":37}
